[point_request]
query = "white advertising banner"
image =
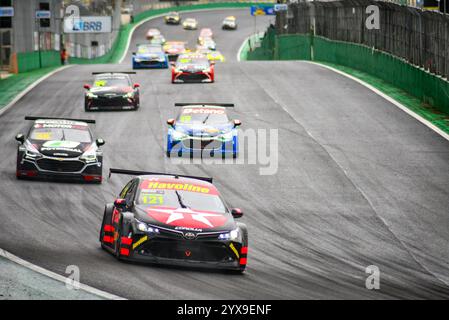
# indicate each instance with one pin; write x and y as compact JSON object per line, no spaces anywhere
{"x":88,"y":24}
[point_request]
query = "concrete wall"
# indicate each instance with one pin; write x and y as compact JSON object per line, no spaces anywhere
{"x":25,"y":25}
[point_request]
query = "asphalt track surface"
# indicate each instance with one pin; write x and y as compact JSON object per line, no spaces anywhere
{"x":359,"y":183}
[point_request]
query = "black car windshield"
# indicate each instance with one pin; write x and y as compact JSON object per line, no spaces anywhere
{"x":192,"y":200}
{"x":61,"y":134}
{"x":200,"y":115}
{"x":112,"y":82}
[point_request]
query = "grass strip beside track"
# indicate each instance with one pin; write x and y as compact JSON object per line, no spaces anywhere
{"x":431,"y":114}
{"x":13,"y":85}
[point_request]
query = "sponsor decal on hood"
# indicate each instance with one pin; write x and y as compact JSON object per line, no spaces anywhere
{"x":56,"y":148}
{"x":187,"y":218}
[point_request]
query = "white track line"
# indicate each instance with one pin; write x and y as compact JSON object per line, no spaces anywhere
{"x":31,"y":87}
{"x":56,"y":276}
{"x":389,"y":99}
{"x":427,"y":123}
{"x":164,"y":14}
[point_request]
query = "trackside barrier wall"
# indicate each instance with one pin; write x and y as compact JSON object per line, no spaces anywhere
{"x":419,"y":83}
{"x":27,"y":61}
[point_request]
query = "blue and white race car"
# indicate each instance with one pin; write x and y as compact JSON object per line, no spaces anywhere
{"x":202,"y":129}
{"x":149,"y":56}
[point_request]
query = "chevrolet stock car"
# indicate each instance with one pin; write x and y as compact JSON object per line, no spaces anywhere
{"x":192,"y":67}
{"x":204,"y":129}
{"x":61,"y":149}
{"x":190,"y":24}
{"x":173,"y":49}
{"x":172,"y":18}
{"x":111,"y":91}
{"x":174,"y":219}
{"x":149,"y":56}
{"x":229,"y":23}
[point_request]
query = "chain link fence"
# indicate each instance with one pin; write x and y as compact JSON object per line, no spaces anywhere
{"x":420,"y":37}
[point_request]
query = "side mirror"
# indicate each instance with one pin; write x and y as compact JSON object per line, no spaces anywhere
{"x":171,"y":122}
{"x":100,"y":142}
{"x":136,"y":85}
{"x":237,"y":123}
{"x":20,"y":137}
{"x":237,"y":213}
{"x":120,"y":203}
{"x":87,"y":87}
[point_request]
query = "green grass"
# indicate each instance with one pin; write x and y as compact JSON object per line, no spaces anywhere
{"x":13,"y":85}
{"x":431,"y":114}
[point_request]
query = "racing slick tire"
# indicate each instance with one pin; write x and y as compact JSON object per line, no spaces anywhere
{"x":107,"y":216}
{"x":244,"y":230}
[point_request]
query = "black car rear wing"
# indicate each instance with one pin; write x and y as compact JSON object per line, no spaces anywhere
{"x":55,"y":118}
{"x":141,"y":173}
{"x":225,"y":105}
{"x":111,"y":72}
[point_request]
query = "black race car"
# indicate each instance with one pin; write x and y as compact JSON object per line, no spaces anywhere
{"x":174,"y":220}
{"x":62,"y":149}
{"x":112,"y":91}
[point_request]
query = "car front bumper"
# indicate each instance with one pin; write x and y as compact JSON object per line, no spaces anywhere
{"x":188,"y":253}
{"x":207,"y":147}
{"x":48,"y":168}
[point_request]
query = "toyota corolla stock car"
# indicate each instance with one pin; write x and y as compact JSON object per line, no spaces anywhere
{"x":174,"y":220}
{"x":193,"y":67}
{"x":112,"y":91}
{"x":61,"y":149}
{"x":202,"y":129}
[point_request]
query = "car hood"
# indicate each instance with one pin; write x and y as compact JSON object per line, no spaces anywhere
{"x":204,"y":130}
{"x":61,"y":148}
{"x":174,"y":50}
{"x":192,"y":68}
{"x":185,"y":219}
{"x":111,"y":90}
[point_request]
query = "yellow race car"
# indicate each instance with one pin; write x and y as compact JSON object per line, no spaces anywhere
{"x":212,"y":55}
{"x":190,"y":24}
{"x":172,"y":18}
